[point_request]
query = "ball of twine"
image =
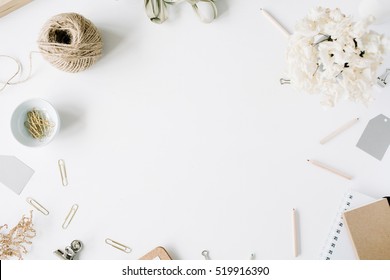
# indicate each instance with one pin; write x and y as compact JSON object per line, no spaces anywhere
{"x":70,"y":42}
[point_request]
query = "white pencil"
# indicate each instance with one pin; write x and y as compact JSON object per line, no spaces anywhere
{"x":338,"y":131}
{"x":275,"y":22}
{"x":330,"y":169}
{"x":295,"y":233}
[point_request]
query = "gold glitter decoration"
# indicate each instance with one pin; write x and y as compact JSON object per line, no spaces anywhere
{"x":13,"y":244}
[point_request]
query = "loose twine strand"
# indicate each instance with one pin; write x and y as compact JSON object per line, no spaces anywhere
{"x":17,"y":72}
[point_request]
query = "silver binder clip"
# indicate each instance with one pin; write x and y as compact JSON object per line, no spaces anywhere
{"x":206,"y":255}
{"x":382,"y":79}
{"x":284,"y":81}
{"x":71,"y":251}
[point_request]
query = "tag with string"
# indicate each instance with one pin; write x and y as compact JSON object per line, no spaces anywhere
{"x":375,"y":139}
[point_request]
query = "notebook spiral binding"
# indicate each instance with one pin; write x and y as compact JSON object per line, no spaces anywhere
{"x":338,"y":225}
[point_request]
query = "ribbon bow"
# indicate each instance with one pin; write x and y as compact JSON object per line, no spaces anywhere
{"x":157,"y":10}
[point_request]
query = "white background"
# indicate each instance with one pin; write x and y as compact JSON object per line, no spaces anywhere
{"x":182,"y":136}
{"x":278,"y":269}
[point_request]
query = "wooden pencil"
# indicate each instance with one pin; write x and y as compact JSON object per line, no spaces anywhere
{"x":295,"y":233}
{"x":330,"y":169}
{"x":338,"y":131}
{"x":275,"y":22}
{"x":7,"y":6}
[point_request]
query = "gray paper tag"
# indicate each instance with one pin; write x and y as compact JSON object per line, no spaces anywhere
{"x":14,"y":173}
{"x":376,"y":137}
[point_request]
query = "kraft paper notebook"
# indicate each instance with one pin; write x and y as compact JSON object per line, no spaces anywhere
{"x":369,"y":229}
{"x":338,"y":245}
{"x":158,"y":253}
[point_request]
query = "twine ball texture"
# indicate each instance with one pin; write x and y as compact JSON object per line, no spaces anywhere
{"x":70,"y":42}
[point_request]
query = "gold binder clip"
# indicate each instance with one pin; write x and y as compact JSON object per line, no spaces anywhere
{"x":70,"y":216}
{"x":37,"y":206}
{"x":118,"y":245}
{"x":64,"y":176}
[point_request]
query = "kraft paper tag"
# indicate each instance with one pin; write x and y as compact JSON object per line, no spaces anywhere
{"x":376,"y":137}
{"x":14,"y":173}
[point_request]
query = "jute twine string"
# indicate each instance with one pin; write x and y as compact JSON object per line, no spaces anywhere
{"x":18,"y":71}
{"x":70,"y":42}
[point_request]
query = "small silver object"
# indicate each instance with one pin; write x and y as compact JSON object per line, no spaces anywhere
{"x":382,"y":79}
{"x":71,"y":251}
{"x":206,"y":255}
{"x":322,"y":38}
{"x":253,"y":256}
{"x":284,"y":81}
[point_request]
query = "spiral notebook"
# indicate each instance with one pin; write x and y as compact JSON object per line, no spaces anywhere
{"x":338,"y":245}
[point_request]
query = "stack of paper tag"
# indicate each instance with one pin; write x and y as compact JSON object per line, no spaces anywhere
{"x":7,"y":6}
{"x":14,"y":173}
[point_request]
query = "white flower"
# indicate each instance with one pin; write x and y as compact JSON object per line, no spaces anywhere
{"x":334,"y":56}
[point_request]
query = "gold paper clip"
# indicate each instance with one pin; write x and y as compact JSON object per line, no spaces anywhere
{"x":70,"y":216}
{"x":64,"y":177}
{"x":118,"y":245}
{"x":37,"y":206}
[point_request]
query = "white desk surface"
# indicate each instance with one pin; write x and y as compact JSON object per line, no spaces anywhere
{"x":182,"y":136}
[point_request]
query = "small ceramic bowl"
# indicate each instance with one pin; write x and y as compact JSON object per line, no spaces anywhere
{"x":19,"y":118}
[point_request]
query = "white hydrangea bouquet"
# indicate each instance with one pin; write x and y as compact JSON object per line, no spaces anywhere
{"x":334,"y":56}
